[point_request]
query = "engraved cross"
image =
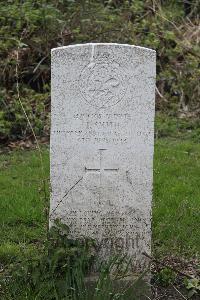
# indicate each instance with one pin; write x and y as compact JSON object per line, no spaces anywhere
{"x":101,"y":169}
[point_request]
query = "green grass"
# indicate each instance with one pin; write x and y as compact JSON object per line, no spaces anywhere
{"x":176,"y":205}
{"x":22,"y":204}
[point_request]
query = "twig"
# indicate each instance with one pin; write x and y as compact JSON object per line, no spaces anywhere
{"x":77,"y":182}
{"x":179,"y":292}
{"x":161,"y":16}
{"x":39,"y":63}
{"x":170,"y":267}
{"x":26,"y":116}
{"x":160,"y":95}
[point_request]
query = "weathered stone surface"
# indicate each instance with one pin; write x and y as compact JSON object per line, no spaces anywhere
{"x":102,"y":129}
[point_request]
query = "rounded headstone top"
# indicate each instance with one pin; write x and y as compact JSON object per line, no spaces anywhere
{"x":103,"y":70}
{"x":102,"y":44}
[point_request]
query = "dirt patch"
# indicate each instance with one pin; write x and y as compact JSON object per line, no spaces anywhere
{"x":176,"y":289}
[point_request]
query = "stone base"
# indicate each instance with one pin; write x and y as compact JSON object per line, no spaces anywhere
{"x":130,"y":286}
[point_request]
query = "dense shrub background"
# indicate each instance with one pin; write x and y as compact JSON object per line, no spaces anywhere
{"x":30,"y":28}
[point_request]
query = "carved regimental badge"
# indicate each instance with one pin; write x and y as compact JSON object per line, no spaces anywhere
{"x":102,"y":84}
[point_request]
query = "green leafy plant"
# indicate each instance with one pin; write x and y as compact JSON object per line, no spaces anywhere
{"x":29,"y":29}
{"x":193,"y":287}
{"x":166,"y":277}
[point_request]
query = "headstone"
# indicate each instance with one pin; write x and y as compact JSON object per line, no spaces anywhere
{"x":102,"y":136}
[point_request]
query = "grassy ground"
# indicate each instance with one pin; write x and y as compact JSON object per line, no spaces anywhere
{"x":176,"y":200}
{"x":176,"y":206}
{"x":22,"y":204}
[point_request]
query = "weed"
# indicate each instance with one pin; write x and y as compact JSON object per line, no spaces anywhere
{"x":165,"y":277}
{"x":61,"y":271}
{"x":193,"y":286}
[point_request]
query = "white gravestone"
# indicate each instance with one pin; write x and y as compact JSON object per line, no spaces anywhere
{"x":102,"y":135}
